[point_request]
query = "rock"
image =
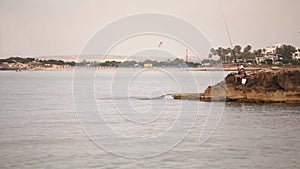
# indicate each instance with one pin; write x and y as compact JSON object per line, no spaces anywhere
{"x":267,"y":86}
{"x":187,"y":96}
{"x":289,"y":80}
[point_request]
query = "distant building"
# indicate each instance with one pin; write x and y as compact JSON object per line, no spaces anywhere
{"x":270,"y":50}
{"x":296,"y":55}
{"x":268,"y":53}
{"x":148,"y":64}
{"x":259,"y":59}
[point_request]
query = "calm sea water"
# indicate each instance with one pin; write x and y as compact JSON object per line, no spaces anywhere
{"x":120,"y":119}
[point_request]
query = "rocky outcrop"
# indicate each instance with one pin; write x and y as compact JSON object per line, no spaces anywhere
{"x":265,"y":86}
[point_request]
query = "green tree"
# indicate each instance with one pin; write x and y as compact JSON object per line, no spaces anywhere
{"x":285,"y":51}
{"x":128,"y":64}
{"x":230,"y":57}
{"x":237,"y":49}
{"x":246,"y":54}
{"x":213,"y":52}
{"x":257,"y":53}
{"x":236,"y":52}
{"x":222,"y":53}
{"x":247,"y":48}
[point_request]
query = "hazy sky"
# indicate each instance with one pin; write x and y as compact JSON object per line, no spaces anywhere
{"x":62,"y":27}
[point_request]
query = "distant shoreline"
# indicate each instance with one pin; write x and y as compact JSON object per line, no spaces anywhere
{"x":177,"y":69}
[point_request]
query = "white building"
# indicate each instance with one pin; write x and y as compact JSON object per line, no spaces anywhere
{"x":270,"y":50}
{"x":296,"y":55}
{"x":268,"y":53}
{"x":148,"y":64}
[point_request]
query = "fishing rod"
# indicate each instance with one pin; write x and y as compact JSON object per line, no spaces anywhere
{"x":228,"y":34}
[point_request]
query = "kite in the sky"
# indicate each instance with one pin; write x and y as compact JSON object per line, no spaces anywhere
{"x":160,"y":44}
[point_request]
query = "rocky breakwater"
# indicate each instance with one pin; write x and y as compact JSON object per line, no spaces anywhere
{"x":264,"y":86}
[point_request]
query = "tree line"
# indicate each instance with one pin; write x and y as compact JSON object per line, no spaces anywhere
{"x":30,"y":60}
{"x":177,"y":62}
{"x":246,"y":54}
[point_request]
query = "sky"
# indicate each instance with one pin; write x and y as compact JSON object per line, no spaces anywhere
{"x":63,"y":27}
